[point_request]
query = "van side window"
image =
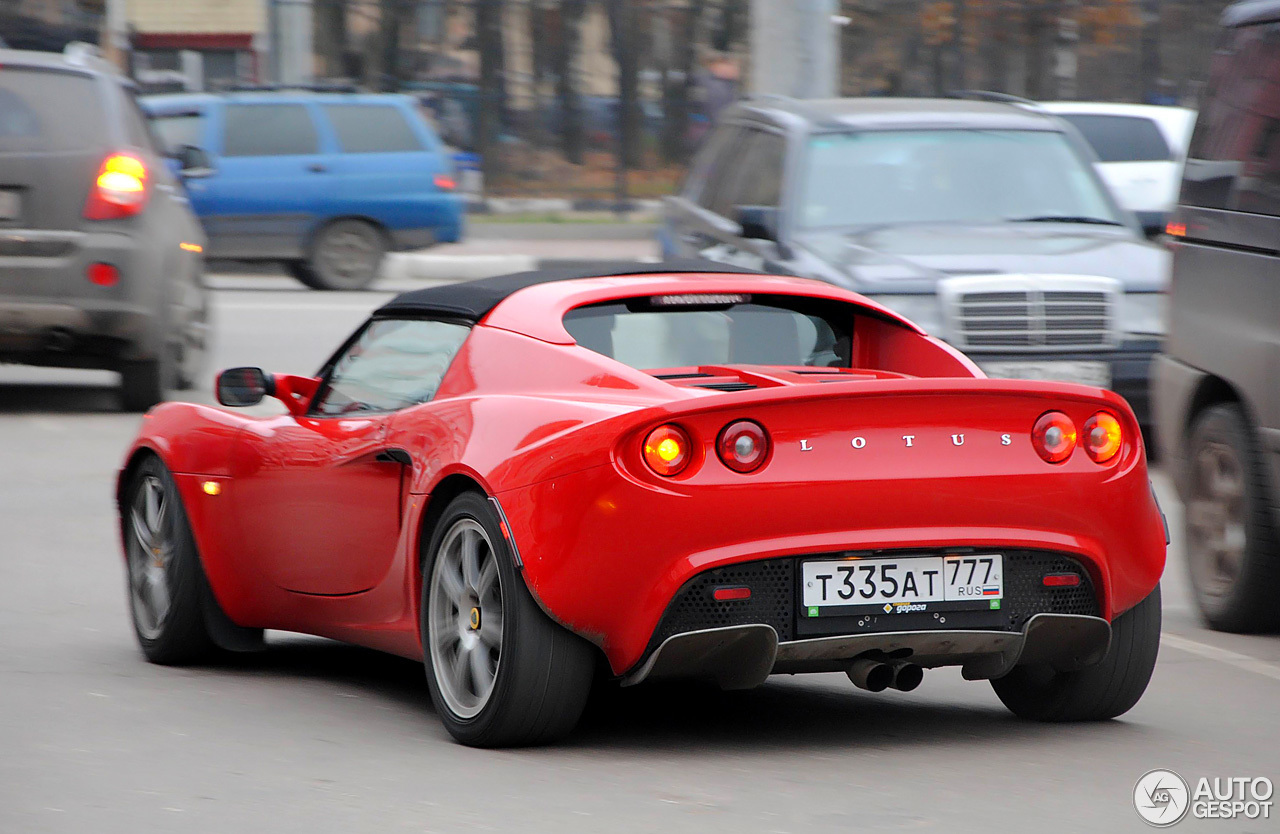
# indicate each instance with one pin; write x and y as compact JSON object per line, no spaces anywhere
{"x":269,"y":130}
{"x":1234,"y":160}
{"x":372,"y":128}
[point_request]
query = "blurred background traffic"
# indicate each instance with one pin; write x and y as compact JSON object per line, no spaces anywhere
{"x":1081,"y":190}
{"x":1006,"y":174}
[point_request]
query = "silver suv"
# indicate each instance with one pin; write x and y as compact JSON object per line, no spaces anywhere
{"x":984,"y":222}
{"x":100,"y":255}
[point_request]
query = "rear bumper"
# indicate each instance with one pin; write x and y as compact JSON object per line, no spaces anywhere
{"x":617,"y":579}
{"x":740,"y":657}
{"x":91,"y":334}
{"x":51,"y":314}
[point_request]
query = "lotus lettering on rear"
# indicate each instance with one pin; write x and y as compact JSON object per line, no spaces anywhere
{"x":908,"y":441}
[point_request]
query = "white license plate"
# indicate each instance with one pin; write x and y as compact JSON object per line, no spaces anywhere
{"x":1084,"y":372}
{"x":886,"y":584}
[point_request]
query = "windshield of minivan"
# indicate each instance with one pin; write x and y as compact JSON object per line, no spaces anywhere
{"x":947,"y":176}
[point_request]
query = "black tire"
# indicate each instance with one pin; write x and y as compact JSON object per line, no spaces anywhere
{"x":543,"y":671}
{"x":144,"y":384}
{"x":1095,"y":693}
{"x":180,"y":636}
{"x":345,"y":255}
{"x":1231,"y":540}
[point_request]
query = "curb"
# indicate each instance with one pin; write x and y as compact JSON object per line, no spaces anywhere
{"x":558,"y":205}
{"x":428,"y":267}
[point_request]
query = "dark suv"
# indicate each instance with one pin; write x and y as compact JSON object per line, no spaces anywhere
{"x":100,"y":255}
{"x":984,"y":222}
{"x":1217,"y":391}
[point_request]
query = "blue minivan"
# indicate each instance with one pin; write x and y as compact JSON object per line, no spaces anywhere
{"x":325,"y":183}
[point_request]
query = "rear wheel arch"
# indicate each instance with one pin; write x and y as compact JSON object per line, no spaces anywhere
{"x":442,"y":494}
{"x":130,"y":468}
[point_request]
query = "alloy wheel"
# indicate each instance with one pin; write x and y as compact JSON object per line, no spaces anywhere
{"x":150,"y":555}
{"x":1217,"y":518}
{"x":465,"y":617}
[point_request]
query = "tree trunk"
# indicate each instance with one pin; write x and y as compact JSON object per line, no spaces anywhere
{"x":622,"y":25}
{"x":679,"y":82}
{"x":571,"y":134}
{"x":390,"y":12}
{"x":489,"y":43}
{"x":330,"y":33}
{"x":1041,"y":24}
{"x":995,"y":51}
{"x":1149,"y":66}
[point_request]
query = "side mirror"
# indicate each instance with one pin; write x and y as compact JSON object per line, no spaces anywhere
{"x":757,"y":222}
{"x":193,"y":162}
{"x":243,"y":386}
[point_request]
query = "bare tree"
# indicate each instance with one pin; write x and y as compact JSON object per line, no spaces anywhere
{"x":568,"y":45}
{"x":622,"y":27}
{"x":488,"y":29}
{"x":678,"y":80}
{"x":330,"y":34}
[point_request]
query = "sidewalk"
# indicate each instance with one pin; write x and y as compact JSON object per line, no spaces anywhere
{"x":499,"y":248}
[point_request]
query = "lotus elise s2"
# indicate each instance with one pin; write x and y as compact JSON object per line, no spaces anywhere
{"x":661,"y":472}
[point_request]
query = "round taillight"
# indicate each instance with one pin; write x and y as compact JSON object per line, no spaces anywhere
{"x":1102,"y":437}
{"x":667,"y":450}
{"x":743,"y":446}
{"x":1054,"y":437}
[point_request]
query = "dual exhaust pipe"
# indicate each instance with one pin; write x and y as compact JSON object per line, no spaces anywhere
{"x":879,"y":675}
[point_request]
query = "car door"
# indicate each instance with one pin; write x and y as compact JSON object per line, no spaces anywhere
{"x":388,"y":167}
{"x":688,"y":213}
{"x":269,"y":173}
{"x":748,"y":171}
{"x":320,"y":497}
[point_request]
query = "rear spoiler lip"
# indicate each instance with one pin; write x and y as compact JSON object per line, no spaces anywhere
{"x":1050,"y":392}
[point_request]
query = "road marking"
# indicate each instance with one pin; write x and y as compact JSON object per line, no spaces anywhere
{"x":1240,"y":661}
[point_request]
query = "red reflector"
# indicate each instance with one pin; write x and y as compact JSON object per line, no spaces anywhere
{"x":727,"y":593}
{"x":104,"y":275}
{"x":1061,"y":580}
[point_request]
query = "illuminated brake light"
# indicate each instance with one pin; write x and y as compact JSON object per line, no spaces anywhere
{"x":1102,"y":437}
{"x":727,"y":593}
{"x":119,"y":190}
{"x":1054,"y":437}
{"x":743,"y":446}
{"x":1176,"y":229}
{"x":445,"y":182}
{"x":1061,"y":580}
{"x":667,"y":450}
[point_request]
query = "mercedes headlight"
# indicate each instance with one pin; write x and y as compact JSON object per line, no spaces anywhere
{"x":1144,"y":313}
{"x":924,"y":309}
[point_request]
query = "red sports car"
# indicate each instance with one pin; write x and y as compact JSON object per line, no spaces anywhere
{"x":667,"y":472}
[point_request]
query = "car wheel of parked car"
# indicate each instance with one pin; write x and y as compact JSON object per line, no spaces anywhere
{"x":345,"y":255}
{"x":501,"y":673}
{"x":164,"y":572}
{"x":1095,"y":693}
{"x":143,"y":384}
{"x":1231,"y":541}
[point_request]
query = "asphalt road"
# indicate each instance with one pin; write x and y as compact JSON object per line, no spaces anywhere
{"x":314,"y":736}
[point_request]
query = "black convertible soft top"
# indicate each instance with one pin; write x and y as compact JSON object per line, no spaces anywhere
{"x":472,"y":300}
